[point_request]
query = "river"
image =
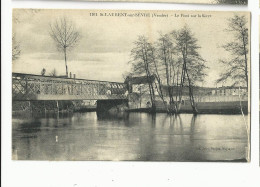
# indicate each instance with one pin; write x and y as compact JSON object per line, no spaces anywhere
{"x":133,"y":136}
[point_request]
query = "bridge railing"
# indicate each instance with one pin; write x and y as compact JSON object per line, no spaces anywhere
{"x":29,"y":87}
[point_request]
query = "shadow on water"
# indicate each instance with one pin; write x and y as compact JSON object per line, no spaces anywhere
{"x":192,"y":128}
{"x":33,"y":122}
{"x":179,"y":142}
{"x":30,"y":127}
{"x":113,"y":116}
{"x":170,"y":138}
{"x":37,"y":115}
{"x":153,"y":120}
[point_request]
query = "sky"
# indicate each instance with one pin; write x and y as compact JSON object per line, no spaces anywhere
{"x":103,"y":51}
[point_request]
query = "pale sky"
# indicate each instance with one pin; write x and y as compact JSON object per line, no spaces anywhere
{"x":103,"y":52}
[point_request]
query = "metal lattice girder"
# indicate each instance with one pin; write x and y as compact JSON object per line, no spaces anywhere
{"x":35,"y":87}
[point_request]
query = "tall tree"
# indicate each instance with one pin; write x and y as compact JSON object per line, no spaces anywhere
{"x":142,"y":60}
{"x":165,"y":52}
{"x":193,"y":65}
{"x":237,"y":66}
{"x":65,"y":36}
{"x":157,"y":74}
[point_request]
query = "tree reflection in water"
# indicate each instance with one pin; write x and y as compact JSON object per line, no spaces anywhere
{"x":129,"y":136}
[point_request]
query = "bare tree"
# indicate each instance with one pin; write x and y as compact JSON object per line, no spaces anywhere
{"x":157,"y":73}
{"x":193,"y":65}
{"x":165,"y":52}
{"x":237,"y":66}
{"x":142,"y":59}
{"x":16,"y":50}
{"x":65,"y":36}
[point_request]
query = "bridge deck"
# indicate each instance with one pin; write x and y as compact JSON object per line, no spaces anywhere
{"x":36,"y":87}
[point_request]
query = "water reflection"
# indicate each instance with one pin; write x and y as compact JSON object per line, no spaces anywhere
{"x":113,"y":116}
{"x":133,"y":136}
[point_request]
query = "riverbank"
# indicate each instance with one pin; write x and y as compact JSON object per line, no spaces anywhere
{"x":205,"y":108}
{"x":51,"y":106}
{"x":77,"y":106}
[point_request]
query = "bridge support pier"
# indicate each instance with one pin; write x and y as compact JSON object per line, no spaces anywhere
{"x":111,"y":106}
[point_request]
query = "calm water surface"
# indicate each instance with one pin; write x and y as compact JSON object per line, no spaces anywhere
{"x":134,"y":136}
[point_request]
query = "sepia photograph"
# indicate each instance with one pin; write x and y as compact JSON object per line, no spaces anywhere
{"x":130,"y":85}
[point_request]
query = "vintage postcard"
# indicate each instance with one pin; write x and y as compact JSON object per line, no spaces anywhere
{"x":130,"y":85}
{"x":221,"y":2}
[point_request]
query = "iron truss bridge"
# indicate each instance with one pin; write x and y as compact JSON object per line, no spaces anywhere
{"x":28,"y":87}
